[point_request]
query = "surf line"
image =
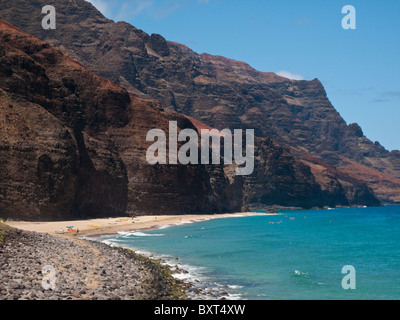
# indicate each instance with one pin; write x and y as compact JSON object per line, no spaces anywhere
{"x":188,"y":153}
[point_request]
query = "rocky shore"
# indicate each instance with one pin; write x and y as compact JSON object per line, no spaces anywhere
{"x":83,"y":270}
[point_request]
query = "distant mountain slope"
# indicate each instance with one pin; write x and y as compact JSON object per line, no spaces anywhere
{"x":215,"y":90}
{"x":72,"y":145}
{"x":113,"y":125}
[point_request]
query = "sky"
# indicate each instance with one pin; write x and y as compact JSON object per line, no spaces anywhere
{"x":359,"y":68}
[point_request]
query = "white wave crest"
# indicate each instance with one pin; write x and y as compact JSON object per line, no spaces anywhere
{"x":140,"y":234}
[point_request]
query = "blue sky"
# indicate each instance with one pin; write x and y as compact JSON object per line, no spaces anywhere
{"x":360,"y":68}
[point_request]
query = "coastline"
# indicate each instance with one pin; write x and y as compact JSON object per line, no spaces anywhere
{"x":105,"y":265}
{"x":81,"y":270}
{"x":154,"y":274}
{"x":110,"y":226}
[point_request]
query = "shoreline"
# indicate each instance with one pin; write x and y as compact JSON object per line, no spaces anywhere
{"x":175,"y":282}
{"x":81,"y":270}
{"x":110,"y":226}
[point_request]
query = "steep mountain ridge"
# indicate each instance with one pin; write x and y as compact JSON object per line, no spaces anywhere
{"x":73,"y":145}
{"x":220,"y":92}
{"x":215,"y":90}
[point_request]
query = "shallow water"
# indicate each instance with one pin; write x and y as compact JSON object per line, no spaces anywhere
{"x":295,"y":255}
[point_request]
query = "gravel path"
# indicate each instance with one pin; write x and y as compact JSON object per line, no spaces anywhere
{"x":83,"y":270}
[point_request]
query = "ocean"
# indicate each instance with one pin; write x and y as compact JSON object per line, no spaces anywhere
{"x":296,"y":255}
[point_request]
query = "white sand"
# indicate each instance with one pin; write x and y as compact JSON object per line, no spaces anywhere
{"x":95,"y":227}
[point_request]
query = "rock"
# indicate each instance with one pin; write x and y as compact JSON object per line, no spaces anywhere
{"x":295,"y":115}
{"x":79,"y":166}
{"x":159,"y":45}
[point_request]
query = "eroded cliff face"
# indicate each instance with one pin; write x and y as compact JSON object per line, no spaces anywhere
{"x":220,"y":92}
{"x":294,"y":121}
{"x":326,"y":136}
{"x":46,"y":169}
{"x":73,"y":145}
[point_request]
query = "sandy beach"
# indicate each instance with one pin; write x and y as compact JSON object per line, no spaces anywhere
{"x":91,"y":270}
{"x":97,"y":227}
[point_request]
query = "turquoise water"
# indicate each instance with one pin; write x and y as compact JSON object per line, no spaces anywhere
{"x":294,"y":255}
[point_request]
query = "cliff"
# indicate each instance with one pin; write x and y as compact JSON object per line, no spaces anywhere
{"x":306,"y":155}
{"x":73,"y":145}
